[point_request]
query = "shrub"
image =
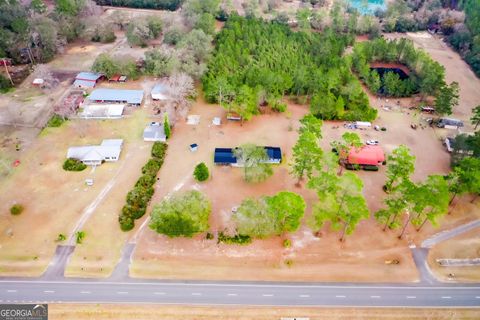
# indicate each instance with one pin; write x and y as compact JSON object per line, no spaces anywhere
{"x":73,"y":165}
{"x":151,"y":167}
{"x":139,"y":197}
{"x":236,"y":239}
{"x":145,"y":181}
{"x":287,"y":243}
{"x":278,"y":106}
{"x":159,"y":150}
{"x":201,"y":172}
{"x":209,"y":236}
{"x":61,"y":237}
{"x":5,"y":84}
{"x":80,"y":236}
{"x":126,"y":223}
{"x":56,"y":121}
{"x":133,"y":212}
{"x":16,"y":209}
{"x":173,"y":36}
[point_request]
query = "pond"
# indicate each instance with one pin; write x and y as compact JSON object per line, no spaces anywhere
{"x":367,"y":6}
{"x":382,"y":70}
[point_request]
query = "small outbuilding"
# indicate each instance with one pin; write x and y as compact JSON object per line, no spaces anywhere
{"x":154,"y":132}
{"x":131,"y":97}
{"x":87,"y":79}
{"x":118,"y":78}
{"x":109,"y":151}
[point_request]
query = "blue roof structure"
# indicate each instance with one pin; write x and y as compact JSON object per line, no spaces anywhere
{"x":274,"y":153}
{"x":224,"y":156}
{"x":89,"y":76}
{"x":114,"y":95}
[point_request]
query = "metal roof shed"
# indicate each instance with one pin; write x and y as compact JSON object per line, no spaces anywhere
{"x":133,"y":97}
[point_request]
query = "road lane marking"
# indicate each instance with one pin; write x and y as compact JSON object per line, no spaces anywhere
{"x":122,"y":292}
{"x":304,"y":296}
{"x":446,"y":297}
{"x":411,"y":297}
{"x":11,"y":290}
{"x":340,"y":296}
{"x":375,"y":297}
{"x":196,"y":294}
{"x":159,"y":293}
{"x":232,"y":294}
{"x":267,"y":295}
{"x":85,"y":292}
{"x":49,"y":291}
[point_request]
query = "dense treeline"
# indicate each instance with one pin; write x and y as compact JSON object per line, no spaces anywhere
{"x":145,"y":4}
{"x":32,"y":33}
{"x":426,"y":76}
{"x":256,"y":62}
{"x":467,"y":40}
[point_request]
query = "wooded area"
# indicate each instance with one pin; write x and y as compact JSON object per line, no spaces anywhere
{"x":426,"y":75}
{"x":257,"y":62}
{"x":146,"y":4}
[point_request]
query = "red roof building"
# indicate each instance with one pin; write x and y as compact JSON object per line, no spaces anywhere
{"x":366,"y":155}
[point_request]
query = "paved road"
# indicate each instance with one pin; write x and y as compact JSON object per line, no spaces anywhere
{"x":447,"y":234}
{"x":238,"y":293}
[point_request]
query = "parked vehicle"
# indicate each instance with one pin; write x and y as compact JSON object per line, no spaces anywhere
{"x":372,"y":142}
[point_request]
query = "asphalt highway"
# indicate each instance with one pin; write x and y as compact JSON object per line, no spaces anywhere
{"x":238,"y":293}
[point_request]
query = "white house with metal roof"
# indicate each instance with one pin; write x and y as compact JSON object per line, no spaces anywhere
{"x":131,"y":97}
{"x":154,"y":132}
{"x":109,"y":150}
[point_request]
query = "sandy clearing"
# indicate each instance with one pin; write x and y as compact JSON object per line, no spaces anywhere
{"x":455,"y":70}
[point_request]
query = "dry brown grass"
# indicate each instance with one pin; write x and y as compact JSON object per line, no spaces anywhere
{"x":166,"y":312}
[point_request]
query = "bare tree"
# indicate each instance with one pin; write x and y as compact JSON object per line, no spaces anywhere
{"x":180,"y":90}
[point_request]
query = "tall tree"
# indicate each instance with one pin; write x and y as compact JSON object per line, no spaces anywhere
{"x":310,"y":123}
{"x":447,"y":98}
{"x":269,"y":216}
{"x":400,"y":165}
{"x":476,"y":116}
{"x":344,"y":205}
{"x":395,"y":205}
{"x":342,"y":148}
{"x":465,"y":177}
{"x":434,"y":201}
{"x":253,"y":158}
{"x":306,"y":155}
{"x":166,"y":126}
{"x":182,"y":215}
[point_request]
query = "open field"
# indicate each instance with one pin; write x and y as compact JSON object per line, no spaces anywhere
{"x":36,"y":182}
{"x":465,"y":246}
{"x":140,"y":312}
{"x":311,"y":258}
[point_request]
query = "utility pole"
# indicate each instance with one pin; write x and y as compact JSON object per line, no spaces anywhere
{"x":6,"y":69}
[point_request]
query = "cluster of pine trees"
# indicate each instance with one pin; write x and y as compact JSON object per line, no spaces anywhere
{"x":426,"y":75}
{"x":256,"y":63}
